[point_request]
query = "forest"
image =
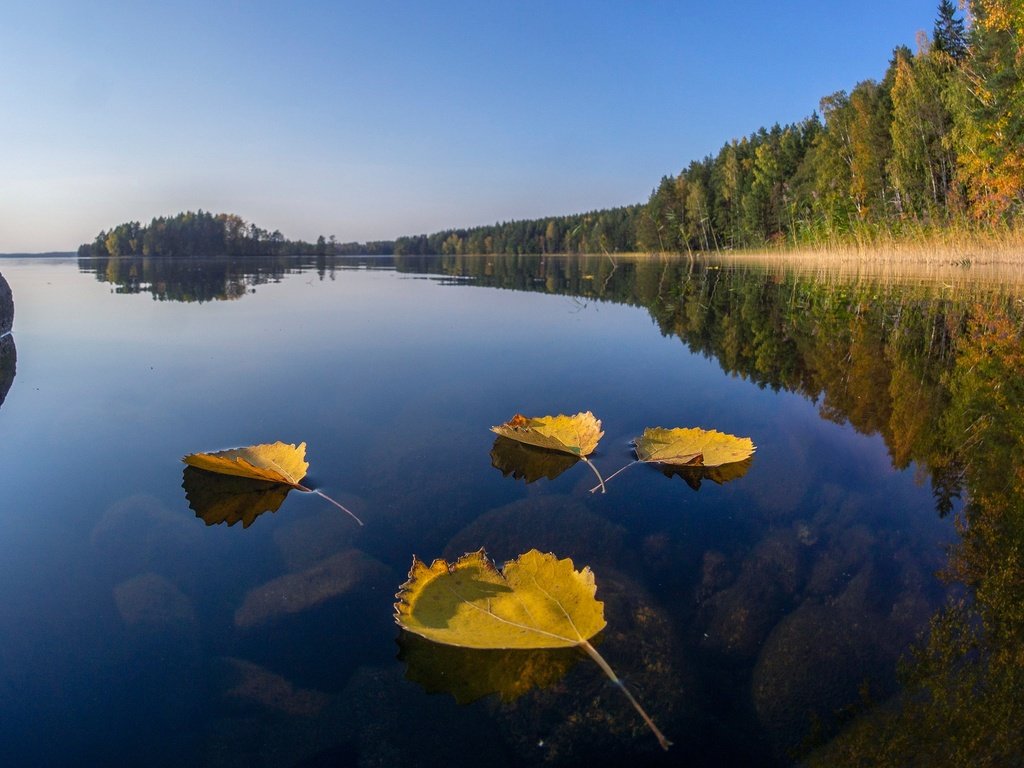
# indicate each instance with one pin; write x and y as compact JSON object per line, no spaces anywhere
{"x":937,"y":146}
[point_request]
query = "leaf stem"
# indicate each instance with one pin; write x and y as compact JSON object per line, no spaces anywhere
{"x":592,"y":652}
{"x":600,"y":480}
{"x":323,"y":495}
{"x":613,"y":474}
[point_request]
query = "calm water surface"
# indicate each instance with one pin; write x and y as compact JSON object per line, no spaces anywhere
{"x":755,"y":618}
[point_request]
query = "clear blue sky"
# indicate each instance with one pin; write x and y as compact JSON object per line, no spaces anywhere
{"x":375,"y":119}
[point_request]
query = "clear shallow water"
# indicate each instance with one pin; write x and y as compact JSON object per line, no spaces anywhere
{"x":751,"y":618}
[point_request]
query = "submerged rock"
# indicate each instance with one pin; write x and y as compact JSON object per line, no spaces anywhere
{"x":393,"y":722}
{"x":150,"y":603}
{"x":139,"y":533}
{"x":310,"y":539}
{"x":828,"y":659}
{"x":249,"y":686}
{"x":298,"y":592}
{"x":162,"y":670}
{"x":736,"y":620}
{"x":558,"y":524}
{"x":378,"y":720}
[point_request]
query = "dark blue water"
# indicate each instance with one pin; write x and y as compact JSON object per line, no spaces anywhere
{"x":747,"y":617}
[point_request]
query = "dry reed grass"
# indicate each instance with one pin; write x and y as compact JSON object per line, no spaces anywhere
{"x":945,"y":257}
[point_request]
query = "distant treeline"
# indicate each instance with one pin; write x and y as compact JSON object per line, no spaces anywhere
{"x":206,"y":234}
{"x":608,"y":230}
{"x":938,"y":142}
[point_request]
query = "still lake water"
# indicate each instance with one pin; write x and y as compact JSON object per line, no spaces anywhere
{"x":755,"y":618}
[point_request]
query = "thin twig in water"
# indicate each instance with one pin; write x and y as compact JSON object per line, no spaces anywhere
{"x":613,"y":474}
{"x":600,"y":480}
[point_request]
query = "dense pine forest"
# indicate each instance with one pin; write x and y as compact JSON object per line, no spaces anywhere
{"x":936,"y":146}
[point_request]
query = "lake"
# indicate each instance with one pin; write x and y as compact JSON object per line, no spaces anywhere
{"x":761,"y":616}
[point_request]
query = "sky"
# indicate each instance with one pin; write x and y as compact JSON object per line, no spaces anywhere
{"x":371,"y":120}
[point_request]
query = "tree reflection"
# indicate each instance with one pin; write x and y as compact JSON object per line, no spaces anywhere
{"x":939,"y":375}
{"x":873,"y":354}
{"x":223,"y":278}
{"x":964,"y":696}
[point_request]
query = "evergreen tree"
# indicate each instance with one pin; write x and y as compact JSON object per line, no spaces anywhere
{"x":949,"y":35}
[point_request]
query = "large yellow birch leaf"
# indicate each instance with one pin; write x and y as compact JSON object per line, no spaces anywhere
{"x":276,"y":462}
{"x":577,"y":434}
{"x":537,"y":601}
{"x":691,"y":447}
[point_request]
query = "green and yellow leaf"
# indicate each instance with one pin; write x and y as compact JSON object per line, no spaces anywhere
{"x":691,"y":447}
{"x":276,"y":462}
{"x":577,"y":435}
{"x":537,"y":601}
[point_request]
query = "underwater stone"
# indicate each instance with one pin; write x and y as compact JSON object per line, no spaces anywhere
{"x":298,"y":592}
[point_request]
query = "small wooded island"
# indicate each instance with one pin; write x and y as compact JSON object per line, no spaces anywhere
{"x":932,"y":153}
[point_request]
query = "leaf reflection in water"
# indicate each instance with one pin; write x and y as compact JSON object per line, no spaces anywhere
{"x":527,"y":462}
{"x":469,"y":674}
{"x":217,"y":498}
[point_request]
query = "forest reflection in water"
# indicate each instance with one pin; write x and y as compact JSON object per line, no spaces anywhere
{"x":936,"y":370}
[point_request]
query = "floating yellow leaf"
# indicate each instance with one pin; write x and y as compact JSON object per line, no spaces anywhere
{"x":699,"y":450}
{"x":537,"y":601}
{"x":577,"y":434}
{"x":276,"y":462}
{"x":281,"y":464}
{"x":691,"y":447}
